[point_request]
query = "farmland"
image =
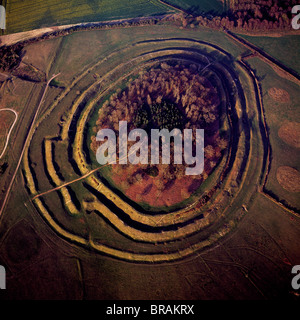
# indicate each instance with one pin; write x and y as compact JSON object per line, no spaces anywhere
{"x":198,"y":7}
{"x":234,"y":238}
{"x":279,"y":48}
{"x":29,"y":14}
{"x":279,"y":113}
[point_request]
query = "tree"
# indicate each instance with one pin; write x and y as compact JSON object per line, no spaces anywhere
{"x":209,"y":152}
{"x":149,"y":100}
{"x":184,"y":21}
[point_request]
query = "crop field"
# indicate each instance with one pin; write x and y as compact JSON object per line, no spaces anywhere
{"x":66,"y":217}
{"x":29,"y":14}
{"x":197,"y":7}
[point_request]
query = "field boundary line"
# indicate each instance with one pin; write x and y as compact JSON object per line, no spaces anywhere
{"x":172,"y":6}
{"x":265,"y":57}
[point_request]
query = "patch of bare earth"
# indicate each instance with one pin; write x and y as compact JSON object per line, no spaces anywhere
{"x":39,"y":54}
{"x":279,"y":95}
{"x":288,"y":178}
{"x":289,"y":132}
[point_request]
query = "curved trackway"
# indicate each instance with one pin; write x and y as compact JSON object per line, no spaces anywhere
{"x":10,"y":130}
{"x":26,"y":141}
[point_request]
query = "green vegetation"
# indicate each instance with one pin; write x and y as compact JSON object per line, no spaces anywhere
{"x":284,"y":48}
{"x":30,"y":14}
{"x":53,"y":241}
{"x":278,"y":113}
{"x":197,"y":7}
{"x":159,"y":116}
{"x":56,"y":83}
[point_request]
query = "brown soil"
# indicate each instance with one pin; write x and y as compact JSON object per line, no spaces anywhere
{"x":279,"y":95}
{"x":28,"y":72}
{"x":288,"y":178}
{"x":39,"y":54}
{"x":289,"y":132}
{"x":6,"y":120}
{"x":15,"y":94}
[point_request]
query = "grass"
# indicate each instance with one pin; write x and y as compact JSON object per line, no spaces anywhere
{"x":285,"y":48}
{"x":101,"y":43}
{"x":30,"y":14}
{"x":276,"y":114}
{"x":197,"y":7}
{"x":256,"y":250}
{"x":69,"y":55}
{"x":106,"y":173}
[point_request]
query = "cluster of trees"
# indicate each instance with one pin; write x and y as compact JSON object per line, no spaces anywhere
{"x":263,"y":14}
{"x":174,"y":93}
{"x":167,"y":96}
{"x":3,"y":167}
{"x":11,"y":61}
{"x":249,"y":15}
{"x":102,"y":25}
{"x":163,"y":115}
{"x":10,"y":57}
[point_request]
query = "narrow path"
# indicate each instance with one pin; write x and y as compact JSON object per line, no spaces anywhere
{"x":10,"y":130}
{"x":67,"y":183}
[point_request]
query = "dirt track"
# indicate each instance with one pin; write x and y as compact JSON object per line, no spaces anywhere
{"x":10,"y":130}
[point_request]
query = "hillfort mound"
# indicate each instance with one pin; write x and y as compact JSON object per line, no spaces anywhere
{"x":169,"y":96}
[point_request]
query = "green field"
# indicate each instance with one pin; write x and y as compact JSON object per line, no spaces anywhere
{"x":276,"y":115}
{"x":30,"y":14}
{"x":285,"y":49}
{"x":252,"y":242}
{"x":27,"y":15}
{"x":196,"y":7}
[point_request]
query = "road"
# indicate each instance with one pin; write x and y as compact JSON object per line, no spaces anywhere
{"x":24,"y":147}
{"x":10,"y":130}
